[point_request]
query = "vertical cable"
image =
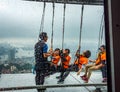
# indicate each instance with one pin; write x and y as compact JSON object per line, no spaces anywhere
{"x":52,"y":25}
{"x":42,"y":19}
{"x":63,"y":30}
{"x":81,"y":23}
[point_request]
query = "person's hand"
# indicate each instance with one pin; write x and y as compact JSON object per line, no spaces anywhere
{"x":51,"y":51}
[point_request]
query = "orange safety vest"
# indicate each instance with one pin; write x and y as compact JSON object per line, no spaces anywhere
{"x":66,"y":63}
{"x":101,"y":57}
{"x":55,"y":60}
{"x":81,"y":60}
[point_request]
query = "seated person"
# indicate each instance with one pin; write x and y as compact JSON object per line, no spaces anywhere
{"x":55,"y":60}
{"x":99,"y":64}
{"x":81,"y":59}
{"x":65,"y":60}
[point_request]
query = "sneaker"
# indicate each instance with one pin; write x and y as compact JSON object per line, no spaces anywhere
{"x":104,"y":80}
{"x":60,"y":81}
{"x":85,"y":80}
{"x":83,"y":77}
{"x":57,"y":77}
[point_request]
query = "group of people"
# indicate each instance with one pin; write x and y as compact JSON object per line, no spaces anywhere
{"x":44,"y":68}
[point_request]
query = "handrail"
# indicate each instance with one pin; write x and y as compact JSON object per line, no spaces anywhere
{"x":43,"y":87}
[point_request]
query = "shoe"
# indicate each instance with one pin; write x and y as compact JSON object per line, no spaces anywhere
{"x":85,"y":80}
{"x":57,"y":77}
{"x":104,"y":80}
{"x":60,"y":81}
{"x":83,"y":77}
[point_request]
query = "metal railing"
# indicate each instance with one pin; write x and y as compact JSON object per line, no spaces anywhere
{"x":43,"y":87}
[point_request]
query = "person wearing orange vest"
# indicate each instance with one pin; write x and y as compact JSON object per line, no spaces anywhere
{"x":104,"y":63}
{"x":65,"y":60}
{"x":81,"y":59}
{"x":99,"y":63}
{"x":55,"y":60}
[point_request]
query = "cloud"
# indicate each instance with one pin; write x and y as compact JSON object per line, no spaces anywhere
{"x":21,"y":20}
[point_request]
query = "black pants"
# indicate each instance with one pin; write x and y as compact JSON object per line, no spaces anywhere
{"x":104,"y":69}
{"x":53,"y":69}
{"x":39,"y":78}
{"x":41,"y":71}
{"x":66,"y":72}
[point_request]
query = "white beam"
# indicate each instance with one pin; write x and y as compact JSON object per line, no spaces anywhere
{"x":86,"y":2}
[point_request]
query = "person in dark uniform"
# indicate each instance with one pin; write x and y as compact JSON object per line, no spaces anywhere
{"x":41,"y":54}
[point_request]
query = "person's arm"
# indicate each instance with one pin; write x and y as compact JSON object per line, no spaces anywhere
{"x":92,"y":61}
{"x":45,"y":53}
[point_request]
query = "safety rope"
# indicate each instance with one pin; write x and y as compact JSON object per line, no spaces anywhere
{"x":63,"y":25}
{"x":52,"y":25}
{"x":80,"y":33}
{"x":101,"y":31}
{"x":42,"y":19}
{"x":81,"y":23}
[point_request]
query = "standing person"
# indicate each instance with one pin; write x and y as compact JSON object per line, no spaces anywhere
{"x":41,"y":63}
{"x":65,"y":60}
{"x":81,"y":60}
{"x":100,"y":63}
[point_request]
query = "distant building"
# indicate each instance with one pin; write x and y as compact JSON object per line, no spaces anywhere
{"x":3,"y":58}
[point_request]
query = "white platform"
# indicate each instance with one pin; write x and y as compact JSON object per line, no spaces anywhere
{"x":14,"y":80}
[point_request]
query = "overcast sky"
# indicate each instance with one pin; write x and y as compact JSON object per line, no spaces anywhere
{"x":20,"y":23}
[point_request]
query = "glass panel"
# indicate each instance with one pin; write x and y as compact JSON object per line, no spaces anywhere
{"x":20,"y":23}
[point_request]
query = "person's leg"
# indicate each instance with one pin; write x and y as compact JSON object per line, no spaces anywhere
{"x":102,"y":70}
{"x":68,"y":71}
{"x":37,"y":78}
{"x":53,"y":69}
{"x":61,"y":76}
{"x":60,"y":70}
{"x":90,"y":72}
{"x":86,"y":70}
{"x":61,"y":73}
{"x":104,"y":73}
{"x":106,"y":70}
{"x":42,"y":78}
